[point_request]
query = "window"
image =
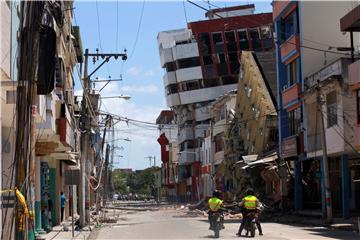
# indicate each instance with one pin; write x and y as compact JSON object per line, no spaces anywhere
{"x":188,"y":62}
{"x":243,"y":39}
{"x":170,"y":89}
{"x":10,"y":97}
{"x":233,"y":57}
{"x":294,"y":121}
{"x":266,"y":37}
{"x":219,"y":142}
{"x":293,"y":72}
{"x":331,"y":109}
{"x":230,"y":41}
{"x":170,"y":66}
{"x":221,"y":58}
{"x":207,"y":60}
{"x":255,"y":39}
{"x":193,"y":85}
{"x":204,"y":43}
{"x":288,"y":26}
{"x":217,"y":38}
{"x":211,"y":82}
{"x":229,"y":80}
{"x":358,"y":105}
{"x":230,"y":36}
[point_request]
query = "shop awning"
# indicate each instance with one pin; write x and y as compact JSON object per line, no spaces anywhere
{"x":267,"y":159}
{"x":252,"y":161}
{"x":69,"y":158}
{"x":249,"y":158}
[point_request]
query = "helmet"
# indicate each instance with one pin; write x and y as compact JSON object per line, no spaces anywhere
{"x":217,"y":194}
{"x":250,"y":191}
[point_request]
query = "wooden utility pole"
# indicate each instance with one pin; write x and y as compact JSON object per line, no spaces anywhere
{"x":87,"y":115}
{"x":326,"y":177}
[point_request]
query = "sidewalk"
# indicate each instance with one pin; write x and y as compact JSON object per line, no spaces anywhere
{"x":63,"y":231}
{"x":305,"y":218}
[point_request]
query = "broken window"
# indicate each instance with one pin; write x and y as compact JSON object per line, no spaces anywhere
{"x":207,"y":60}
{"x":188,"y":62}
{"x":171,"y":89}
{"x":294,"y":121}
{"x":255,"y":39}
{"x":243,"y":39}
{"x":170,"y":66}
{"x":331,"y":109}
{"x":211,"y":82}
{"x":218,"y":42}
{"x":204,"y":43}
{"x":229,"y":80}
{"x":193,"y":85}
{"x":219,"y":142}
{"x":230,"y":41}
{"x":266,"y":37}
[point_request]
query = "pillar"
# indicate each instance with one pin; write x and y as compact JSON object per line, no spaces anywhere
{"x":53,"y":196}
{"x":298,"y":198}
{"x":345,"y":180}
{"x":38,"y":224}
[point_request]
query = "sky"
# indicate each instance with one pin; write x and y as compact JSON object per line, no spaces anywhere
{"x":112,"y":26}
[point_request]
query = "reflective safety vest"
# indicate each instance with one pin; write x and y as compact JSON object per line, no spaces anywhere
{"x":250,"y":202}
{"x":215,"y":204}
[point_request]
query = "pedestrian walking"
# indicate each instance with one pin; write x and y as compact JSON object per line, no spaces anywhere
{"x":62,"y":205}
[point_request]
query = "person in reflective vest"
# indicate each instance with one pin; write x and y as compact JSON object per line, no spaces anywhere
{"x":215,"y":205}
{"x":250,"y":203}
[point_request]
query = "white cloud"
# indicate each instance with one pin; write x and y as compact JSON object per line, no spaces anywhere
{"x":137,"y":71}
{"x":140,"y":88}
{"x":134,"y":71}
{"x":143,"y":137}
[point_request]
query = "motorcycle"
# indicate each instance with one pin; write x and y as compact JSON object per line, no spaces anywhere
{"x":216,"y":223}
{"x":250,"y":223}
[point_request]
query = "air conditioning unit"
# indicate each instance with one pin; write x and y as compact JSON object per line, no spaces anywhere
{"x":285,"y":87}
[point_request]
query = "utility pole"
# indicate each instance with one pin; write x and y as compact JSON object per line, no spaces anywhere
{"x":24,"y":157}
{"x":154,"y":161}
{"x":326,"y":183}
{"x":87,"y":123}
{"x":150,"y":158}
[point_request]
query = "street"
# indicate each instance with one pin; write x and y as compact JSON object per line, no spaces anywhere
{"x":171,"y":223}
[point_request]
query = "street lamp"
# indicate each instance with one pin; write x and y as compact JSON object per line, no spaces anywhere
{"x":121,"y":96}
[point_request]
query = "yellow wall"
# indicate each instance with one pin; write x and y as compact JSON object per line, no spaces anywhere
{"x":253,"y":95}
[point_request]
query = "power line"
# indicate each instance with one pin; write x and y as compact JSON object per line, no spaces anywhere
{"x":98,"y":22}
{"x":138,"y":29}
{"x":186,"y":19}
{"x":117,"y":24}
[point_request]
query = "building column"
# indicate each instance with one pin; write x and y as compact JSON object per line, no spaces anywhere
{"x":53,"y":196}
{"x":345,"y":180}
{"x":298,"y":198}
{"x":38,"y":224}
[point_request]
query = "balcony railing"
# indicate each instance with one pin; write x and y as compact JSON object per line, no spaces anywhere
{"x":278,"y":7}
{"x":354,"y":73}
{"x":289,"y":147}
{"x":290,"y":49}
{"x":291,"y":95}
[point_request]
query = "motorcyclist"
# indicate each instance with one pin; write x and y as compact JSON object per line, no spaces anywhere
{"x":250,"y":204}
{"x":215,"y":205}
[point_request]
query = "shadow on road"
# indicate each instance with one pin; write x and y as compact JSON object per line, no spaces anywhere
{"x":332,"y":234}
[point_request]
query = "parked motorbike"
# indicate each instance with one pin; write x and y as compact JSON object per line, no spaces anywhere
{"x":216,"y":223}
{"x":250,"y":223}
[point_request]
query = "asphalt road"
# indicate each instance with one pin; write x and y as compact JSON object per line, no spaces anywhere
{"x":175,"y":224}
